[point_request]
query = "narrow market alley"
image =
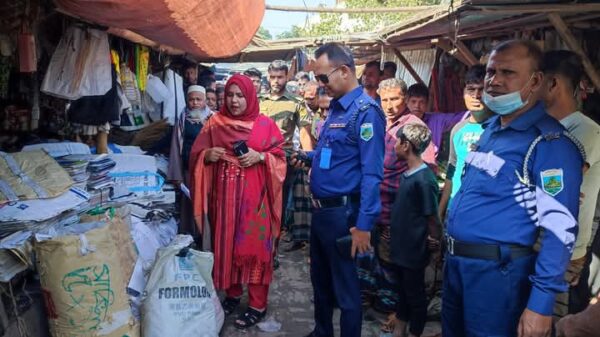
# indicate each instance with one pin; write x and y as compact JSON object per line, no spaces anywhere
{"x":290,"y":303}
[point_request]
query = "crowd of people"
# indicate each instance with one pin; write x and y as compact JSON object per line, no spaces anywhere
{"x":348,"y":168}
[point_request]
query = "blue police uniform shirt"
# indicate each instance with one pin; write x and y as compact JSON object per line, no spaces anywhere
{"x":494,"y":206}
{"x":356,"y":164}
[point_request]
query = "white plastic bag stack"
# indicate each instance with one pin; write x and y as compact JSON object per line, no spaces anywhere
{"x":180,"y":298}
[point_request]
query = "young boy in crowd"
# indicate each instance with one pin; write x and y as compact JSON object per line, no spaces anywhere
{"x":415,"y":227}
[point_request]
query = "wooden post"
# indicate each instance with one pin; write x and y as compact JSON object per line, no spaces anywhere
{"x":466,"y":53}
{"x":408,"y":66}
{"x":102,"y":142}
{"x":446,"y":46}
{"x":571,"y":42}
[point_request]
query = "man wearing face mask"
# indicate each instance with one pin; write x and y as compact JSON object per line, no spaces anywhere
{"x":520,"y":185}
{"x":563,"y":71}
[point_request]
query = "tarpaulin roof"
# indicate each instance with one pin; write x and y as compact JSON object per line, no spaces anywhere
{"x":204,"y":28}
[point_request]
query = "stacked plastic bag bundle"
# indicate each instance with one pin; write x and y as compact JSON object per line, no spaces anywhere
{"x":76,"y":166}
{"x":99,"y":170}
{"x":36,"y":193}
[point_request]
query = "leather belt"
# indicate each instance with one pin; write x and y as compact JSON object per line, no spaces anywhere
{"x":485,"y":251}
{"x":335,"y":201}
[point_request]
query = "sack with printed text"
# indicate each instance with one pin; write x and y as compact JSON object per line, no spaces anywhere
{"x":180,"y":298}
{"x":84,"y":270}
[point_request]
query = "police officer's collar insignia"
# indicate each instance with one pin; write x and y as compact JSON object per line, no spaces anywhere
{"x":552,"y":181}
{"x":366,"y":131}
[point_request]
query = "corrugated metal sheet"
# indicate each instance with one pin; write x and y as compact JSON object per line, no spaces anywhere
{"x":421,"y":60}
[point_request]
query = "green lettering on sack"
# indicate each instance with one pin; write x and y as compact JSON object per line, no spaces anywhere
{"x":90,"y":291}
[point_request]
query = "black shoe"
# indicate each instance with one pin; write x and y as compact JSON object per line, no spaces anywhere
{"x":229,"y":305}
{"x":295,"y":246}
{"x":276,"y":263}
{"x":249,"y":319}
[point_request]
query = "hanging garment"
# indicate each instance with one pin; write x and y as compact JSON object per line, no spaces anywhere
{"x":27,"y":53}
{"x":80,"y":65}
{"x":134,"y":117}
{"x":157,"y":89}
{"x":175,"y":103}
{"x":96,"y":110}
{"x":142,"y":58}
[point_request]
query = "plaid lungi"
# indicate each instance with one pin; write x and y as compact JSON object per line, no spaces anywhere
{"x":302,"y":206}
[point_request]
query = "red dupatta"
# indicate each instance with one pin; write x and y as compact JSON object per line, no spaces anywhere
{"x":243,"y":204}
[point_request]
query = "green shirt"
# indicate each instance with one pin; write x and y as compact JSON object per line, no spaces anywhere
{"x":287,"y":111}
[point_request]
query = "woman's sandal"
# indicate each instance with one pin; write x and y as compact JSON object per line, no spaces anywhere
{"x":388,"y":326}
{"x":230,"y":304}
{"x":249,"y":318}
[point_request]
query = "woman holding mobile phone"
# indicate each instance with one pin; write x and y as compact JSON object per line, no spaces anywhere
{"x":238,"y":168}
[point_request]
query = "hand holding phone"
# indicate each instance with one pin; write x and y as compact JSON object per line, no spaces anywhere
{"x":240,"y":148}
{"x":300,"y":159}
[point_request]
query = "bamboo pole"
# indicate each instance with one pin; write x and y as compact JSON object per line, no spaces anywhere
{"x":408,"y":66}
{"x":350,"y":10}
{"x":571,"y":42}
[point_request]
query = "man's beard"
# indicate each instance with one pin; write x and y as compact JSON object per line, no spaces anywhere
{"x":195,"y":113}
{"x":370,"y":86}
{"x":277,"y":89}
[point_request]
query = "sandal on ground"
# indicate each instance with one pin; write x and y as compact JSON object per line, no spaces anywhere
{"x":230,"y":304}
{"x":388,"y":326}
{"x":249,"y":318}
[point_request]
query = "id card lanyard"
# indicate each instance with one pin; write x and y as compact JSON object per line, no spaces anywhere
{"x":325,"y":159}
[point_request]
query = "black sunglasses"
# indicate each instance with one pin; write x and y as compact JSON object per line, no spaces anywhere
{"x":323,"y":78}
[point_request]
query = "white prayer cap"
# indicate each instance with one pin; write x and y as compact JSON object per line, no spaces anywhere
{"x":196,"y":88}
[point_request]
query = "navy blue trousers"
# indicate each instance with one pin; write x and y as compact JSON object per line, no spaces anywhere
{"x":334,"y":277}
{"x":484,"y":298}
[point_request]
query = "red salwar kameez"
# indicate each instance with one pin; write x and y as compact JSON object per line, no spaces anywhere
{"x":243,"y":205}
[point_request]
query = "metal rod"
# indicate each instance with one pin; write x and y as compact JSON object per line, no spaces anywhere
{"x":350,"y":10}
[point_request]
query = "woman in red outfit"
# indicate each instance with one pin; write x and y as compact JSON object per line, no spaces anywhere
{"x":240,"y":197}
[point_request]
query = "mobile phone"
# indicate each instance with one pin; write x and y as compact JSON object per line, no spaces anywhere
{"x":240,"y":148}
{"x":303,"y":157}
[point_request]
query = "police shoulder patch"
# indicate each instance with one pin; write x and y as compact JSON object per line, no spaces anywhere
{"x":366,"y":131}
{"x":552,"y":181}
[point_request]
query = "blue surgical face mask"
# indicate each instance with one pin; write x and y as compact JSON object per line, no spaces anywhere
{"x":505,"y":104}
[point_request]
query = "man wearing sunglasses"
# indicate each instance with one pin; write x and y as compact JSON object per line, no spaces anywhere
{"x":347,"y":168}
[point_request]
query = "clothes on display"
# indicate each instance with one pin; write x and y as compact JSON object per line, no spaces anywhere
{"x":97,"y":110}
{"x":80,"y":65}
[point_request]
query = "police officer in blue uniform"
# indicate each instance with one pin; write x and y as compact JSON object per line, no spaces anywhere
{"x":347,"y":168}
{"x":520,"y":186}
